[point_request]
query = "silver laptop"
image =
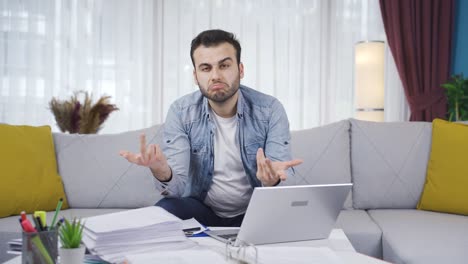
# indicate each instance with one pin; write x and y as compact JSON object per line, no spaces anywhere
{"x":286,"y":214}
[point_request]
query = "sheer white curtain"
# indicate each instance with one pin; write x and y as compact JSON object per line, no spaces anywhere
{"x":137,"y":51}
{"x":53,"y":48}
{"x":396,"y":105}
{"x":301,"y":52}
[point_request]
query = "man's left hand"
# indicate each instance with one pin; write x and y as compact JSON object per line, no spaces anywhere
{"x":269,"y":172}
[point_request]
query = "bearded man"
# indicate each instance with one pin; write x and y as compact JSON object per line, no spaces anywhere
{"x":219,"y":142}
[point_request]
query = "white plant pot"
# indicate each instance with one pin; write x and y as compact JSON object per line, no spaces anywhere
{"x":72,"y":255}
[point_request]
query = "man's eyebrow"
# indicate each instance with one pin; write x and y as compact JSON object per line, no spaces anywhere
{"x":204,"y":64}
{"x":225,"y":59}
{"x":219,"y":62}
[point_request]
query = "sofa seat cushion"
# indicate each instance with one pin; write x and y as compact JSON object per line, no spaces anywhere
{"x":414,"y":236}
{"x":10,"y":224}
{"x":362,"y":232}
{"x":325,"y":151}
{"x":388,"y":163}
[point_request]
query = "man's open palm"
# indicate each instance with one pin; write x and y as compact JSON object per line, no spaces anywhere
{"x":150,"y":156}
{"x":271,"y":172}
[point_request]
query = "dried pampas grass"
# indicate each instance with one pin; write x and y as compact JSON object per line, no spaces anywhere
{"x":84,"y":117}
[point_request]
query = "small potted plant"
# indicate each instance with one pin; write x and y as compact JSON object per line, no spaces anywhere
{"x":72,"y":250}
{"x":79,"y":114}
{"x":456,"y":90}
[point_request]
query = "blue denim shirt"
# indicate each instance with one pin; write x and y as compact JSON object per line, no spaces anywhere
{"x":188,"y":140}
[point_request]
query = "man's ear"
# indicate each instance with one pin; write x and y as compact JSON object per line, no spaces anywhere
{"x":195,"y":79}
{"x":241,"y":70}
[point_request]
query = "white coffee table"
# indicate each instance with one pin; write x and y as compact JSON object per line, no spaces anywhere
{"x":338,"y":242}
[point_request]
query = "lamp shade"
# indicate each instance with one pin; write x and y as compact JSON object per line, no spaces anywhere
{"x":369,"y":80}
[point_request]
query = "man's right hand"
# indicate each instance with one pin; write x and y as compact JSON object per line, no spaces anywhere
{"x":150,"y":156}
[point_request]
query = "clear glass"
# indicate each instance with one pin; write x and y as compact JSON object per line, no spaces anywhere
{"x":40,"y":247}
{"x":241,"y":252}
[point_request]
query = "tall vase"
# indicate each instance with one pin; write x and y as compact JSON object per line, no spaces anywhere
{"x":72,"y":255}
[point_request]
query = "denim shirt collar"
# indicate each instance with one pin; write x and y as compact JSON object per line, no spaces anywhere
{"x":240,"y":108}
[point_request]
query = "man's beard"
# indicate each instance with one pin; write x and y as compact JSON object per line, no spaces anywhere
{"x":221,"y":96}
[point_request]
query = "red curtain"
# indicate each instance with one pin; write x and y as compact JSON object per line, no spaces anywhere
{"x":419,"y":33}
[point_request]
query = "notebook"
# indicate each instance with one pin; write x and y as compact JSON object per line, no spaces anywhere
{"x":288,"y":213}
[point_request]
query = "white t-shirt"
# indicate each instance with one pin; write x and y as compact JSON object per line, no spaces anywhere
{"x":230,"y":191}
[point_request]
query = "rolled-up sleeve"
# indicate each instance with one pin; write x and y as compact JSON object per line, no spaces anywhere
{"x":176,"y":148}
{"x":278,"y":142}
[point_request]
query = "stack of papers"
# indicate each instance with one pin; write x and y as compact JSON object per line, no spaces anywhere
{"x":113,"y":236}
{"x":14,"y":246}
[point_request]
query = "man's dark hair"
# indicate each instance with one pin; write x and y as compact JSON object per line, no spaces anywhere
{"x":214,"y":37}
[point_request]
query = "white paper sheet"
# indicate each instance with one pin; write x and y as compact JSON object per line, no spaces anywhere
{"x":265,"y":255}
{"x":309,"y":255}
{"x":130,"y":219}
{"x":178,"y":257}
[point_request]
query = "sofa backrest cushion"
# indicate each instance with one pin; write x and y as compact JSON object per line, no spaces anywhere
{"x":446,"y":181}
{"x":388,"y":163}
{"x":96,"y":176}
{"x":325,"y":151}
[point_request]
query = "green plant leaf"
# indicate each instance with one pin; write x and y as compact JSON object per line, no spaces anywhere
{"x":456,"y":92}
{"x":449,"y":86}
{"x":71,"y":233}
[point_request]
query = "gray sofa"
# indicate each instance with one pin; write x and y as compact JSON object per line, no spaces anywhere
{"x":386,"y":162}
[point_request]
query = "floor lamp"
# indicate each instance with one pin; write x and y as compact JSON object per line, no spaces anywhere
{"x":369,"y":80}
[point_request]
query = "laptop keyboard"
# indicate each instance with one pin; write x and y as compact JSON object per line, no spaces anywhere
{"x":228,"y":236}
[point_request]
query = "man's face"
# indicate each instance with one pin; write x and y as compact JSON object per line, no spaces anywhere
{"x":216,"y":71}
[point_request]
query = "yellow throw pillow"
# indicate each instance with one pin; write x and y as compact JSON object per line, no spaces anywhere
{"x":28,"y":170}
{"x":446,"y":187}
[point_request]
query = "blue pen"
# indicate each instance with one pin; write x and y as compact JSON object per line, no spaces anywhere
{"x":60,"y":222}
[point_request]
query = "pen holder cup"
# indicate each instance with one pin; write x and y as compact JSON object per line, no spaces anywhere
{"x":40,"y":247}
